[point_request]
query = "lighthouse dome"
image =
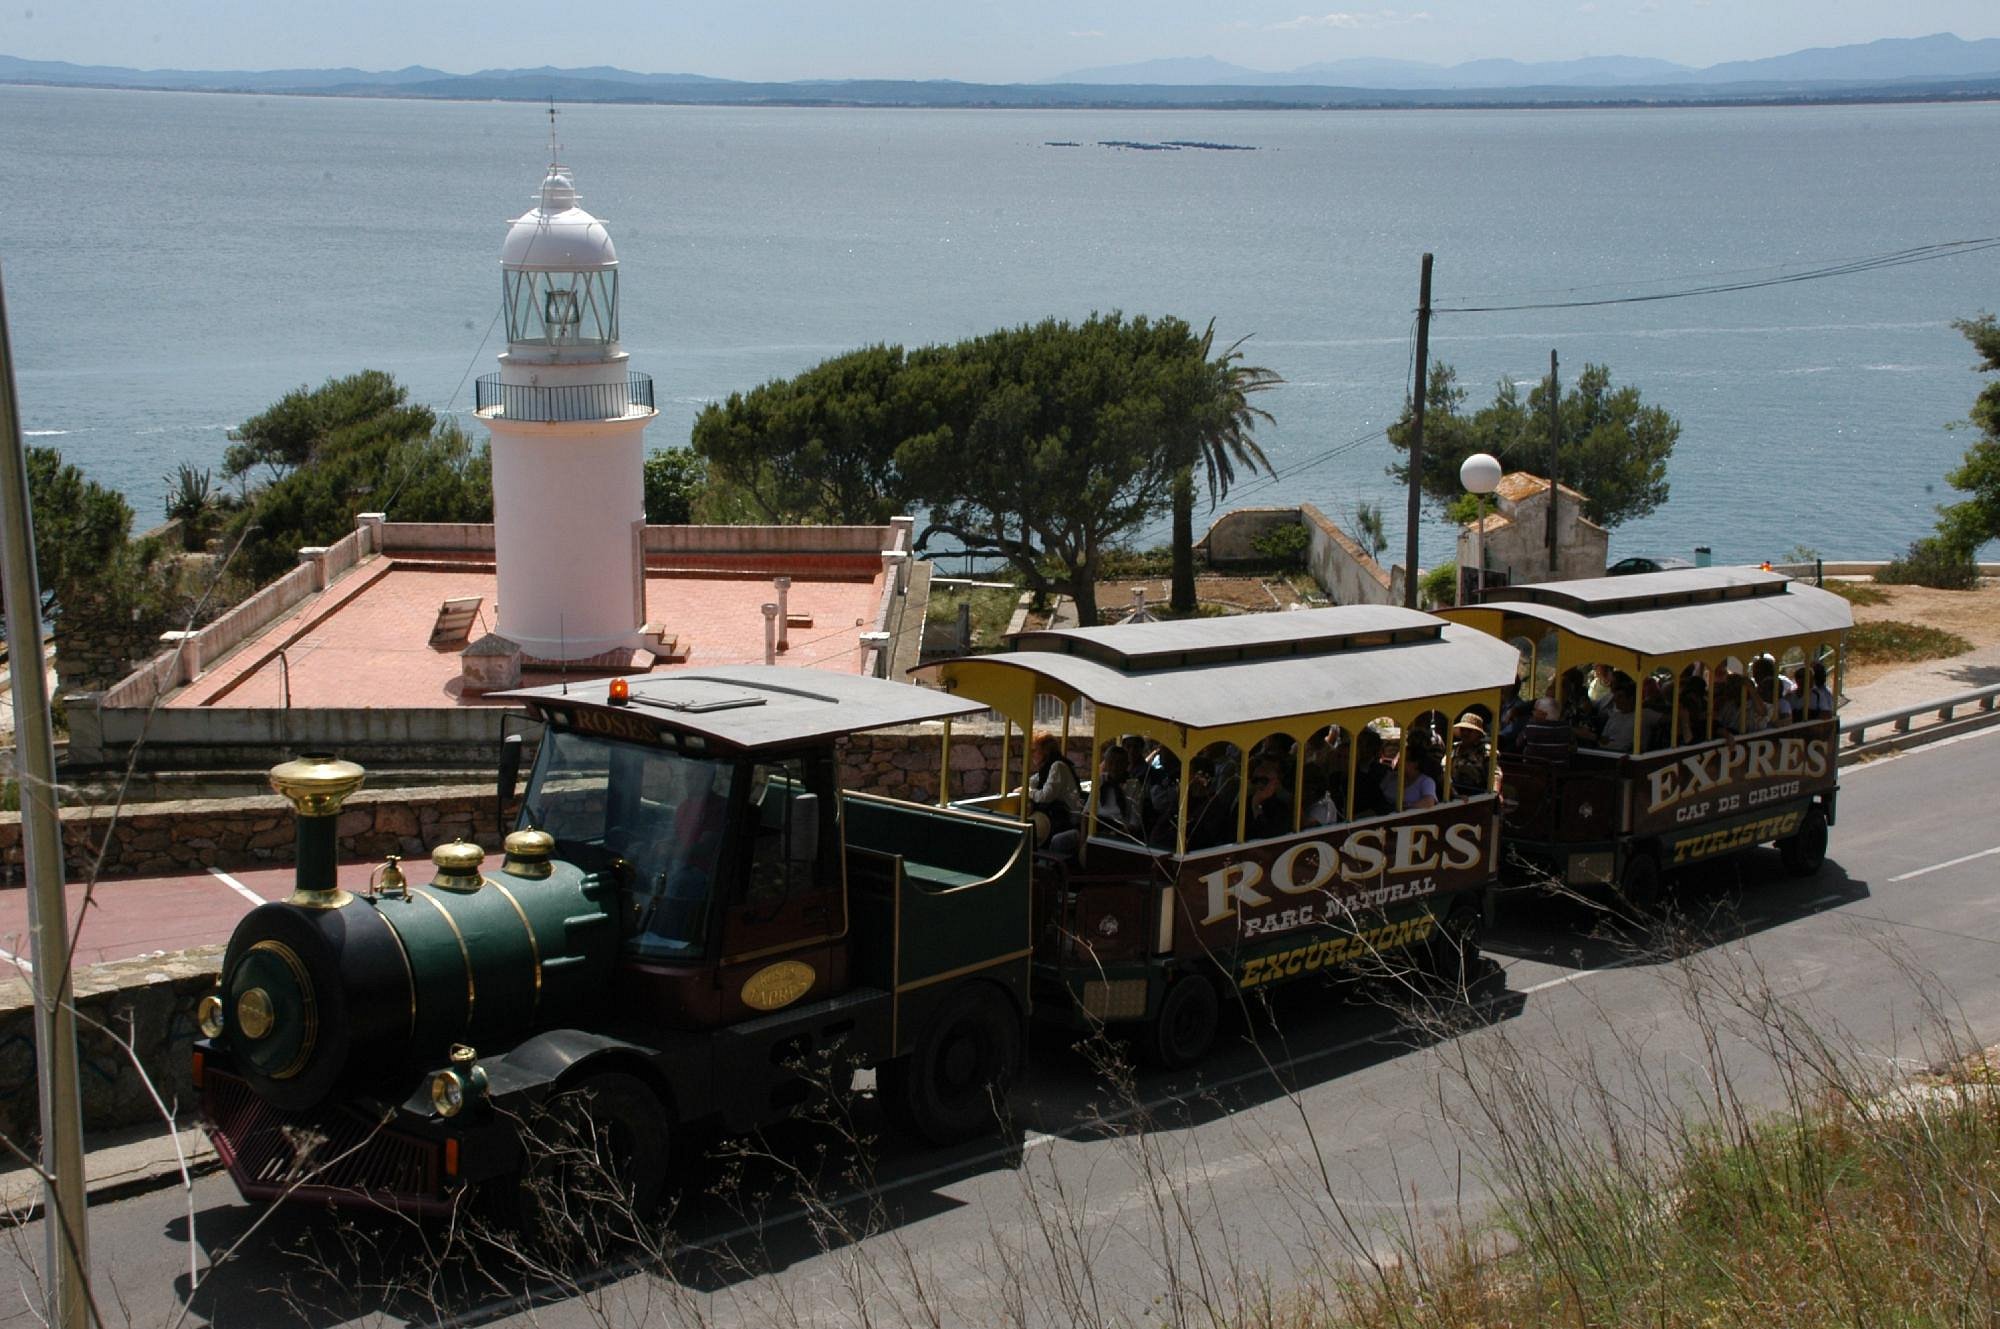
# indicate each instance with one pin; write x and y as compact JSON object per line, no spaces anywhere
{"x":556,"y":235}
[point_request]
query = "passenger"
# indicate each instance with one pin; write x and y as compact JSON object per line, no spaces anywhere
{"x":1270,"y":809}
{"x":1370,"y":800}
{"x":1730,"y":705}
{"x":1160,"y":796}
{"x":1820,"y":696}
{"x":1777,"y":693}
{"x":1623,"y":719}
{"x":1317,"y":802}
{"x":1653,"y":715}
{"x":1116,"y":812}
{"x":1211,"y":806}
{"x":1053,"y":788}
{"x":1576,"y":705}
{"x":1419,"y":790}
{"x":1692,"y":725}
{"x":1470,"y":757}
{"x":1547,"y":737}
{"x":1599,"y":688}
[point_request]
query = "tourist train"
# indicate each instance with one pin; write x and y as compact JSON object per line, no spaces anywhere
{"x":692,"y":919}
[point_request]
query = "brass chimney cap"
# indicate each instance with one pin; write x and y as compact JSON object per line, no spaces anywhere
{"x":528,"y":853}
{"x":457,"y":865}
{"x":317,"y":783}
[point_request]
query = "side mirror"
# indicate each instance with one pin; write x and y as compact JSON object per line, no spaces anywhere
{"x":510,"y":776}
{"x":803,"y":845}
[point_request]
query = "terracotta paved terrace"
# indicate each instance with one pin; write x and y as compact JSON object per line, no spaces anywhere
{"x":364,"y":641}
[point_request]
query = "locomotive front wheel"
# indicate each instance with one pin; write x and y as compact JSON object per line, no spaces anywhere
{"x":1639,"y":886}
{"x":1185,"y":1027}
{"x":595,"y":1167}
{"x":1805,"y":850}
{"x":951,"y":1085}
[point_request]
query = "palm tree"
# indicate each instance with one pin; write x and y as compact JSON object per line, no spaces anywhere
{"x":1223,"y":423}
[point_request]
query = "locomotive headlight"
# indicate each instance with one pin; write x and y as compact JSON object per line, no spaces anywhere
{"x":464,"y":1083}
{"x":447,"y":1093}
{"x":209,"y":1015}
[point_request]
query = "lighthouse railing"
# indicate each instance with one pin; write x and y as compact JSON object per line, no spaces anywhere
{"x":575,"y":401}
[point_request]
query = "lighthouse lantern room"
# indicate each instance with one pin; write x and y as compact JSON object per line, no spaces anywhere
{"x":568,"y":420}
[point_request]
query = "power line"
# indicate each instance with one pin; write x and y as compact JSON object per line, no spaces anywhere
{"x":1898,"y":258}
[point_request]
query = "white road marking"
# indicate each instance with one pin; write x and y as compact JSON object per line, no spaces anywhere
{"x":1558,"y":982}
{"x":8,"y":957}
{"x":1948,"y":863}
{"x":236,"y":886}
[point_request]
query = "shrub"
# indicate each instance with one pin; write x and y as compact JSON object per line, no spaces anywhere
{"x":1282,"y":544}
{"x":1858,"y":592}
{"x":1933,"y":561}
{"x":1894,"y":642}
{"x":1438,"y":588}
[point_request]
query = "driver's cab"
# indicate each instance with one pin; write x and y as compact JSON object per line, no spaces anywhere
{"x":725,"y":861}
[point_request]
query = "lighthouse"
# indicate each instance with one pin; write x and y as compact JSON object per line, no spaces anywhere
{"x":568,"y":419}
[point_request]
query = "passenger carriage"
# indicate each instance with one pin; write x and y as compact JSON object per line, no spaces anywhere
{"x":1737,"y":677}
{"x":1205,"y":889}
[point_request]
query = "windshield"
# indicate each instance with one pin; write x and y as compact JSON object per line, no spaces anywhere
{"x":663,"y":812}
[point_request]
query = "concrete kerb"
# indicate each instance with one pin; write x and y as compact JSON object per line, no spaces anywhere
{"x":141,"y":1158}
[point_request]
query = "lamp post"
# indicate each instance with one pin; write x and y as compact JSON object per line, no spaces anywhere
{"x":1480,"y":474}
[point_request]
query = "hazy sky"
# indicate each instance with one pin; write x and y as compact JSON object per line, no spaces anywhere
{"x":980,"y":40}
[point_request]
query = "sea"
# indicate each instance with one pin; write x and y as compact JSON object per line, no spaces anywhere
{"x":175,"y":262}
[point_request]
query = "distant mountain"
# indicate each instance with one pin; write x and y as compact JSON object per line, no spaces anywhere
{"x":1197,"y":69}
{"x":1937,"y":67}
{"x":1940,"y":56}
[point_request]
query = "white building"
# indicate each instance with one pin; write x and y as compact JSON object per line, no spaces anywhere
{"x":568,"y":420}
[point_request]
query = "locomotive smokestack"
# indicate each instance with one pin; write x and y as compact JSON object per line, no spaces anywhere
{"x":317,"y":784}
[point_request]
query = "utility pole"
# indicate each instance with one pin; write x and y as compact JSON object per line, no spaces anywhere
{"x":1417,"y":438}
{"x":65,"y":1238}
{"x":1555,"y":455}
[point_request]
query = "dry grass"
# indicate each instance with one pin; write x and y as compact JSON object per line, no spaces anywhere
{"x":1973,"y":616}
{"x":1890,"y":641}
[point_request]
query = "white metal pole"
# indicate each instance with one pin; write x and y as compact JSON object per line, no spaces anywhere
{"x":770,"y":634}
{"x":66,"y":1235}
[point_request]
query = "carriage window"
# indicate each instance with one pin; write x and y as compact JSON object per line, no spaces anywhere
{"x":1271,"y":804}
{"x":1214,"y":795}
{"x":1375,"y":789}
{"x":1323,"y":782}
{"x":1470,"y":763}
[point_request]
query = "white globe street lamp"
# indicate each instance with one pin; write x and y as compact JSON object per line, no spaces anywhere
{"x":1480,"y":474}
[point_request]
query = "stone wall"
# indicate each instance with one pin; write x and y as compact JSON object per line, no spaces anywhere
{"x":149,"y":1003}
{"x":1233,"y":538}
{"x":1348,"y":572}
{"x":197,"y":834}
{"x":193,"y":835}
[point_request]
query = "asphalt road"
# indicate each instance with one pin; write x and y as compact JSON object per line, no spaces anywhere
{"x":1288,"y":1153}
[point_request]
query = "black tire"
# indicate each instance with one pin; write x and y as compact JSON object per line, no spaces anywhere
{"x":1805,"y":849}
{"x":1184,"y":1030}
{"x":1639,"y":886}
{"x":951,"y":1085}
{"x":595,"y":1166}
{"x":1450,"y":957}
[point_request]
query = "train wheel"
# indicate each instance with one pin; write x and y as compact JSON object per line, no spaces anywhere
{"x":1185,"y":1029}
{"x":1449,"y":958}
{"x":1639,"y":886}
{"x":1805,"y":850}
{"x":596,"y":1167}
{"x":953,"y":1082}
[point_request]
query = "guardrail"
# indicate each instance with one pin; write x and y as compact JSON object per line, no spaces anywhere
{"x":1856,"y":731}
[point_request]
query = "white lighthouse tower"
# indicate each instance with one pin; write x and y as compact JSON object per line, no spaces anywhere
{"x":569,"y":422}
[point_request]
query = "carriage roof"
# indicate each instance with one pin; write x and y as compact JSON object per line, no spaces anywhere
{"x":1254,"y":669}
{"x":1672,"y":613}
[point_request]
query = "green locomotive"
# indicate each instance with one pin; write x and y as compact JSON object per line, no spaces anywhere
{"x":691,"y":918}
